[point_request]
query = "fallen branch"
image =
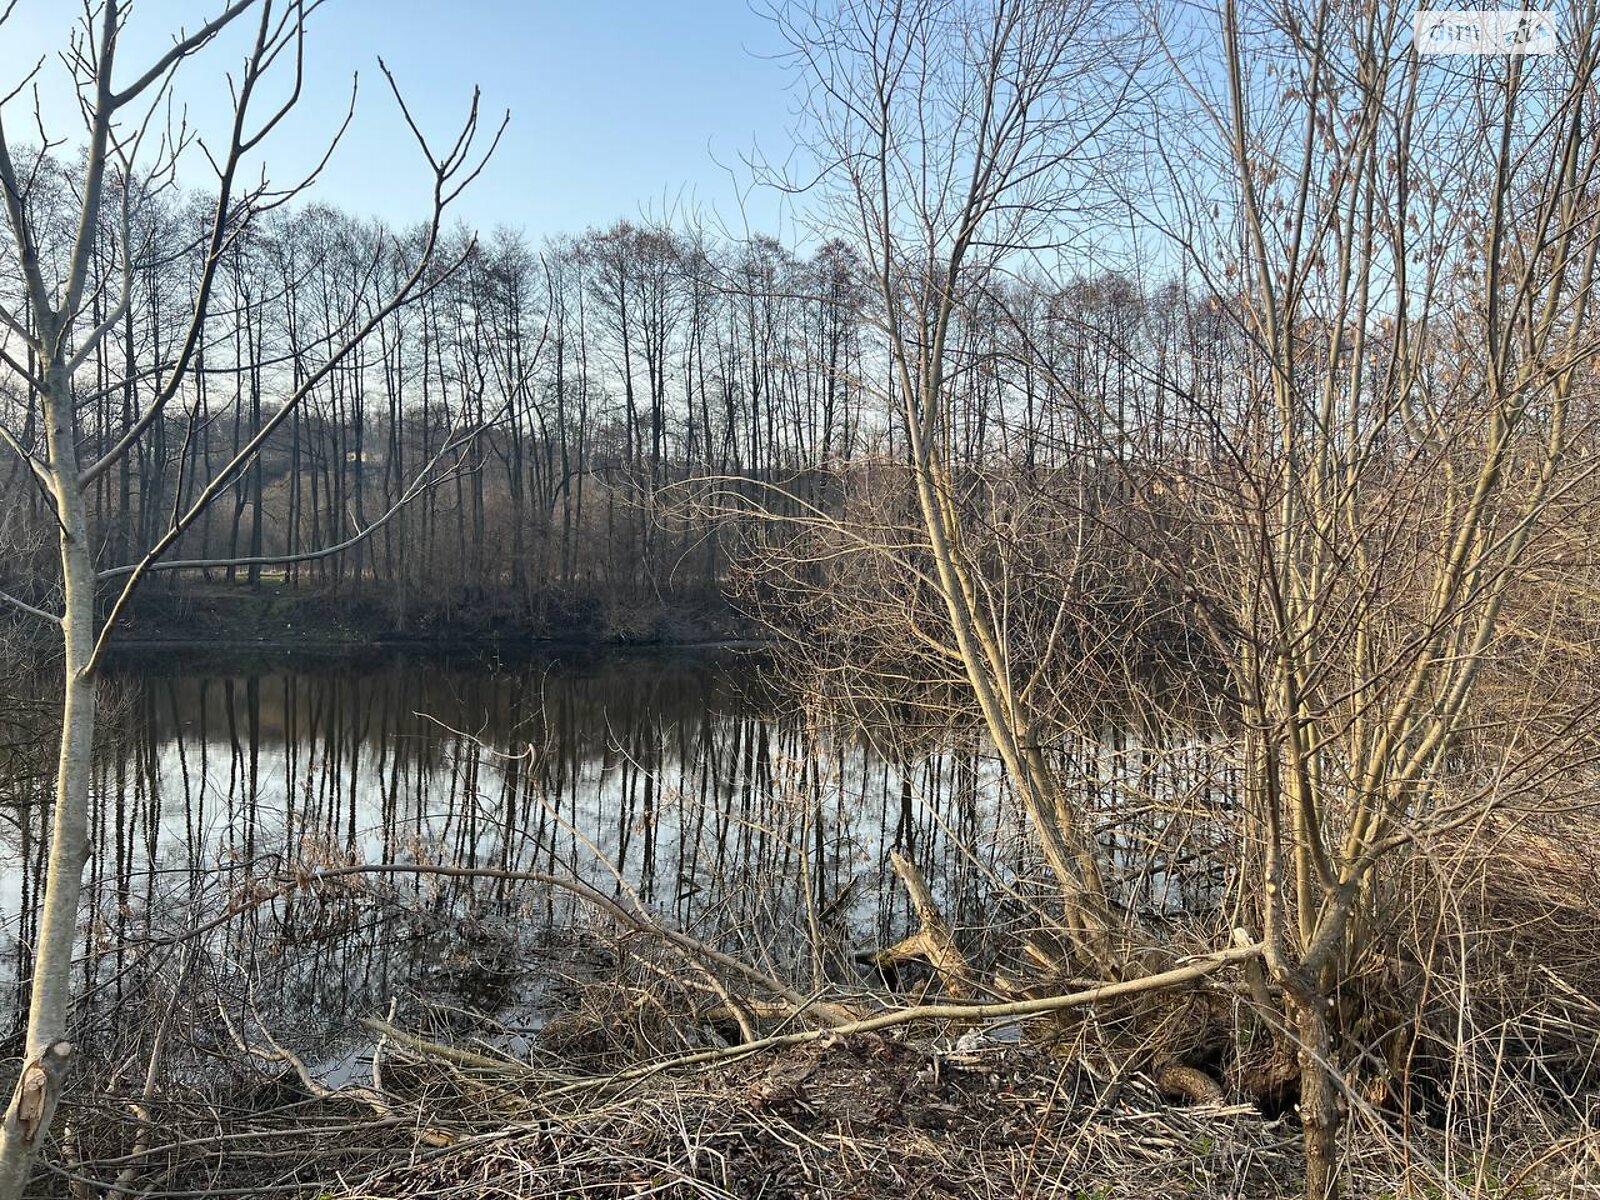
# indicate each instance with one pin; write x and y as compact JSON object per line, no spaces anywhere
{"x":450,"y":1054}
{"x":1191,"y":972}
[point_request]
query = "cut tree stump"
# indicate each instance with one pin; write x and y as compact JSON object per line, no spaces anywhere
{"x":933,"y":941}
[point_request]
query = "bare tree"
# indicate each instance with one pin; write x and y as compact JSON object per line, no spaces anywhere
{"x":61,"y":314}
{"x":1406,"y":253}
{"x":959,"y":141}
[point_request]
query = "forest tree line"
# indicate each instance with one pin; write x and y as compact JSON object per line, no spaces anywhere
{"x":510,"y":431}
{"x":521,"y":436}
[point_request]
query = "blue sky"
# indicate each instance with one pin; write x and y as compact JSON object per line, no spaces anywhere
{"x":618,"y":107}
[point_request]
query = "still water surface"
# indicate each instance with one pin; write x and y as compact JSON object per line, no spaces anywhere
{"x":693,"y":781}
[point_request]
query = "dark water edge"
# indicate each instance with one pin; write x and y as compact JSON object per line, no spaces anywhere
{"x":278,"y":614}
{"x":164,"y":654}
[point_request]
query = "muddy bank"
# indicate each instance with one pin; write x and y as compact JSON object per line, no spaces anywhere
{"x":870,"y":1115}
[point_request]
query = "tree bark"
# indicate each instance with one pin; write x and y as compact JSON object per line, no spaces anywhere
{"x":50,"y":999}
{"x":1320,"y":1118}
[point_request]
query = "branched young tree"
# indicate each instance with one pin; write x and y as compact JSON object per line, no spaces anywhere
{"x":1406,"y":253}
{"x":60,"y":312}
{"x":959,"y":141}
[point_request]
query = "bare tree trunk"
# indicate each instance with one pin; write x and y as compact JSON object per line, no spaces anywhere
{"x":54,"y":308}
{"x":51,"y":996}
{"x":1320,"y":1117}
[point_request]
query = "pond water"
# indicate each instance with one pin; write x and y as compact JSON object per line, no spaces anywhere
{"x":693,"y":783}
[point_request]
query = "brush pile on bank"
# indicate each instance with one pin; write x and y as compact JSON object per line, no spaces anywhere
{"x":863,"y":1115}
{"x":869,"y":1115}
{"x":664,"y":1071}
{"x":980,"y":1115}
{"x":625,"y":1095}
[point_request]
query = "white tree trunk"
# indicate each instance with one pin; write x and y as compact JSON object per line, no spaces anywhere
{"x":51,"y":999}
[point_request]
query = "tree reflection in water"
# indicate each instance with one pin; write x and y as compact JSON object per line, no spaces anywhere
{"x":730,"y":808}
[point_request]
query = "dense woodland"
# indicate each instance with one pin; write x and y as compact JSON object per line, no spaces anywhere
{"x":516,"y":432}
{"x":592,"y":421}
